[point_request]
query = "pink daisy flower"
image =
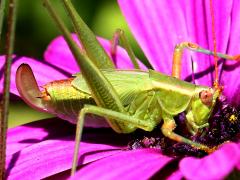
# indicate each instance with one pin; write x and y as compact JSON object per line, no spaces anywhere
{"x":45,"y":148}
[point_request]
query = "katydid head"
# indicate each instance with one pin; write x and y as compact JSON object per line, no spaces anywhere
{"x":201,"y":107}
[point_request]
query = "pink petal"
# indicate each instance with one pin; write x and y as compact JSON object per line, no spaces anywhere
{"x":134,"y":164}
{"x":45,"y":148}
{"x":231,"y":71}
{"x":238,"y":164}
{"x":26,"y":135}
{"x":53,"y":156}
{"x":2,"y":61}
{"x":214,"y":166}
{"x":168,"y":23}
{"x":59,"y":55}
{"x":177,"y":175}
{"x":40,"y":70}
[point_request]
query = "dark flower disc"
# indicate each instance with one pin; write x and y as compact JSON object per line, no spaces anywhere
{"x":224,"y":126}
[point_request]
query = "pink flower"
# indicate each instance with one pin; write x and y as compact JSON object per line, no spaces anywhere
{"x":159,"y":25}
{"x":44,"y":149}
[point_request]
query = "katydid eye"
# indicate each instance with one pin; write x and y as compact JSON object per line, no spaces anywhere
{"x":206,"y":97}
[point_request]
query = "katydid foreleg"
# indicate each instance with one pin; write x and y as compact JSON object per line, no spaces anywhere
{"x":168,"y":127}
{"x":178,"y":52}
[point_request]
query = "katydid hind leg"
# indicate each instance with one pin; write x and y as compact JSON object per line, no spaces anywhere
{"x":101,"y":89}
{"x":109,"y":114}
{"x":78,"y":137}
{"x":119,"y":37}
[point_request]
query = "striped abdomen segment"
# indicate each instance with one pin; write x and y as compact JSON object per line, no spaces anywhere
{"x":63,"y":100}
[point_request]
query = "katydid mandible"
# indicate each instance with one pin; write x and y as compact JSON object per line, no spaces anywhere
{"x":127,"y":99}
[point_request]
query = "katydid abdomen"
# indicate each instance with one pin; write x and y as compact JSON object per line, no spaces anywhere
{"x":62,"y":99}
{"x":144,"y":95}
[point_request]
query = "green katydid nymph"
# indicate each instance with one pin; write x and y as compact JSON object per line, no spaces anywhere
{"x":127,"y":99}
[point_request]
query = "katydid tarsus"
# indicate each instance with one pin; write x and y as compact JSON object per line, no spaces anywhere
{"x":128,"y":99}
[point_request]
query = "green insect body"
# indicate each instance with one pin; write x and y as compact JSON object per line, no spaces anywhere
{"x":144,"y":95}
{"x":127,"y":99}
{"x":62,"y":99}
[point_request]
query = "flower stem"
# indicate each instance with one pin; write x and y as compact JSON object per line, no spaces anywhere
{"x":2,"y":12}
{"x":11,"y":21}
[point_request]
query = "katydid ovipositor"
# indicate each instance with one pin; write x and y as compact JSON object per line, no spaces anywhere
{"x":127,"y":99}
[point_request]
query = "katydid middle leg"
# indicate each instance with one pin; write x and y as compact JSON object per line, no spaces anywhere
{"x":109,"y":114}
{"x":178,"y":52}
{"x":119,"y":35}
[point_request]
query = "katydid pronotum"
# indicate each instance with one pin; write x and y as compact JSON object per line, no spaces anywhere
{"x":127,"y":99}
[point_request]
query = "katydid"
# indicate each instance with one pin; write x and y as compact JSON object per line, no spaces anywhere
{"x":127,"y":99}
